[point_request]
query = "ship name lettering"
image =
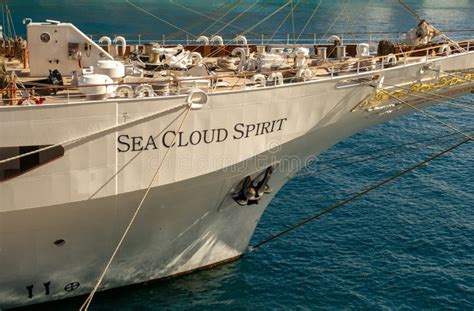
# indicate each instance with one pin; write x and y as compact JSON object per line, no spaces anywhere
{"x":126,"y":143}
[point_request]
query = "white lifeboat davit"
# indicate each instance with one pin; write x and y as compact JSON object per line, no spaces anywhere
{"x":203,"y":39}
{"x":218,"y":40}
{"x":196,"y":58}
{"x":120,"y":39}
{"x":241,"y":53}
{"x":390,"y":60}
{"x":334,"y":38}
{"x":259,"y":80}
{"x":445,"y":49}
{"x":242,"y":39}
{"x":109,"y":43}
{"x":277,"y":77}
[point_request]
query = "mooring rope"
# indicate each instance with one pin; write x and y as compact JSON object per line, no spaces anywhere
{"x":360,"y":194}
{"x":430,"y":116}
{"x":373,"y":155}
{"x":404,"y":145}
{"x":88,"y":301}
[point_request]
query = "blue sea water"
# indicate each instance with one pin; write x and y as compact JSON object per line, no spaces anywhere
{"x":406,"y":246}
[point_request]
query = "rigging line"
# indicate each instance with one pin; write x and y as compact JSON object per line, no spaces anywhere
{"x":223,"y":47}
{"x":309,"y":19}
{"x":158,"y":18}
{"x":407,"y":144}
{"x":278,"y":28}
{"x":429,"y":115}
{"x":9,"y":15}
{"x":100,"y":132}
{"x":6,"y":23}
{"x":313,"y":172}
{"x":348,"y":24}
{"x":361,"y":193}
{"x":204,"y":15}
{"x":237,"y":17}
{"x":336,"y":19}
{"x":3,"y":23}
{"x":293,"y":21}
{"x":450,"y":74}
{"x":442,"y":34}
{"x":198,"y":23}
{"x":456,"y":105}
{"x":410,"y":10}
{"x":350,"y":21}
{"x":470,"y":107}
{"x":88,"y":301}
{"x":266,"y":18}
{"x":220,"y":18}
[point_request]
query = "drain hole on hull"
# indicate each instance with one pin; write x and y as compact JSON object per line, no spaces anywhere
{"x":59,"y":242}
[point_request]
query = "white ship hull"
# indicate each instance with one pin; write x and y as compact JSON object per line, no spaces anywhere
{"x":189,"y":219}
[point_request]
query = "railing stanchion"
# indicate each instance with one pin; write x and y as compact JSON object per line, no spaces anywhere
{"x":288,"y":39}
{"x":314,"y":38}
{"x":163,"y":39}
{"x":139,"y":39}
{"x":187,"y":39}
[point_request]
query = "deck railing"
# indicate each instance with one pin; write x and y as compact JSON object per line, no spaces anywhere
{"x":279,"y":38}
{"x":333,"y":67}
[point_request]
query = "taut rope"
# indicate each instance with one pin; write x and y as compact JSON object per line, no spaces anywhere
{"x":88,"y":301}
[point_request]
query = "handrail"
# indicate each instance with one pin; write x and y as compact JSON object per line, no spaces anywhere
{"x":278,"y":38}
{"x":269,"y":33}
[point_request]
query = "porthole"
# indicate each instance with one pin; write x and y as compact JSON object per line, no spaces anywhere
{"x":45,"y":37}
{"x":59,"y":242}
